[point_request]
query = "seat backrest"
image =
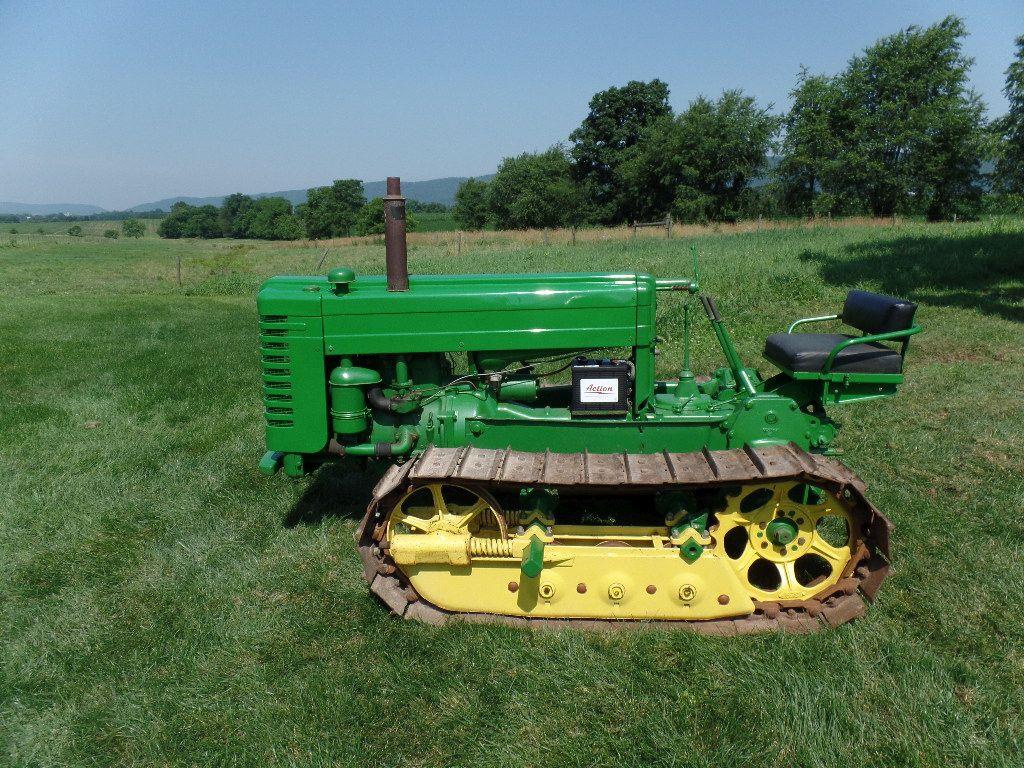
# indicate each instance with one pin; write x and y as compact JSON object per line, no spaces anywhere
{"x":875,"y":313}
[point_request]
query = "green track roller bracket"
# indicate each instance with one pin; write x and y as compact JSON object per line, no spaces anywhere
{"x":694,"y":528}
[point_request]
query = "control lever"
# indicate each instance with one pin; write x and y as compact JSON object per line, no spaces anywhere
{"x":725,"y":341}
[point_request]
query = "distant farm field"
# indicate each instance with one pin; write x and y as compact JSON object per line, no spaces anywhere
{"x":436,"y":222}
{"x":162,"y":603}
{"x":60,"y":228}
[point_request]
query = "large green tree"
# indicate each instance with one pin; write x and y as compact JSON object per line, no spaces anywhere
{"x":607,"y":138}
{"x":232,"y":214}
{"x":913,"y":133}
{"x":1010,"y":129}
{"x":471,"y":204}
{"x":810,"y":143}
{"x":534,"y":191}
{"x":271,"y":218}
{"x":699,"y":165}
{"x":331,"y":211}
{"x":186,"y":220}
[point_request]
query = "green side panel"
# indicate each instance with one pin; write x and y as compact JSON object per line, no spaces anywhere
{"x":292,"y":361}
{"x":483,"y":312}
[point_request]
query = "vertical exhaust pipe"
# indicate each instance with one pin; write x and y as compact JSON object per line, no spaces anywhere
{"x":395,"y":254}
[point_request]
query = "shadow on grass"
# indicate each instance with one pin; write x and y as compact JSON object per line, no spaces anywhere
{"x":336,"y":491}
{"x":980,"y":271}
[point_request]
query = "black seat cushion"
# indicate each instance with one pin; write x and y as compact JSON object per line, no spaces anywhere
{"x":875,"y":313}
{"x":806,"y":352}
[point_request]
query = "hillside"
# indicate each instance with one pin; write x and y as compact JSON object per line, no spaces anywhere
{"x":429,"y":191}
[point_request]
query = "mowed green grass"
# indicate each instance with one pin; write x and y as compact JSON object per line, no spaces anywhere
{"x":162,"y":603}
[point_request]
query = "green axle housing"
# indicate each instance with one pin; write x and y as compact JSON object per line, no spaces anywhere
{"x":351,"y":368}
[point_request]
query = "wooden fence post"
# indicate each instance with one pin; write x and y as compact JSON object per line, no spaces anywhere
{"x":458,"y":244}
{"x":668,"y":226}
{"x":179,"y":270}
{"x":574,"y":234}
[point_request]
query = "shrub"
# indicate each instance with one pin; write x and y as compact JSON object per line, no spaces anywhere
{"x":471,"y":204}
{"x":1002,"y":204}
{"x":133,"y":228}
{"x":113,"y":234}
{"x":75,"y":231}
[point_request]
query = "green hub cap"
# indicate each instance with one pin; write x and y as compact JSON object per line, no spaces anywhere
{"x":781,"y":531}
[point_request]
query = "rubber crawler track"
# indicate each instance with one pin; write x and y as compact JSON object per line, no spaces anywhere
{"x":508,"y":469}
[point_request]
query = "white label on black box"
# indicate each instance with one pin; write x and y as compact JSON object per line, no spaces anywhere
{"x":599,"y":390}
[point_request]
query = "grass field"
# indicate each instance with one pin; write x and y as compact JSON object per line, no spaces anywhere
{"x":162,"y":603}
{"x":60,"y":228}
{"x":436,"y":222}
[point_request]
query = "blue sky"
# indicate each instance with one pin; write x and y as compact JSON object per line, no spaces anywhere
{"x":121,"y":103}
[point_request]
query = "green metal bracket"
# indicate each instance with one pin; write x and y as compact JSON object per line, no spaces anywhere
{"x":533,"y":557}
{"x":538,"y":506}
{"x":697,"y":521}
{"x":271,"y":462}
{"x":692,"y":549}
{"x":294,"y":464}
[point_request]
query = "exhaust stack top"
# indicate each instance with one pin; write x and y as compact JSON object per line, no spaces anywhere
{"x":396,"y":255}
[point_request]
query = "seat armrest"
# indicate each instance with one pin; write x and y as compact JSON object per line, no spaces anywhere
{"x":891,"y":335}
{"x":811,"y":320}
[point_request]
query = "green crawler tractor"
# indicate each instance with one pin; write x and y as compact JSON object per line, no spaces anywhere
{"x":535,"y":472}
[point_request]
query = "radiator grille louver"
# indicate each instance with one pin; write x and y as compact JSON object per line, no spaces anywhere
{"x":277,"y":384}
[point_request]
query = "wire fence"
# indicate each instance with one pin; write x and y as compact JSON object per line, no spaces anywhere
{"x":665,"y":228}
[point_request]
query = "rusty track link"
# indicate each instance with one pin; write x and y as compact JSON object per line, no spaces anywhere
{"x":508,"y":469}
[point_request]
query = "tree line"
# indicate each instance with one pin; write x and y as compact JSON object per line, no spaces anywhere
{"x":899,"y":130}
{"x":339,"y":210}
{"x":19,"y":218}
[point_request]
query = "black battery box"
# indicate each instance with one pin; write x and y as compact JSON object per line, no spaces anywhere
{"x":601,"y":387}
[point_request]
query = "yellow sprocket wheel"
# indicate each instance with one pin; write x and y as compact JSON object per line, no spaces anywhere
{"x":448,"y":508}
{"x":786,"y":541}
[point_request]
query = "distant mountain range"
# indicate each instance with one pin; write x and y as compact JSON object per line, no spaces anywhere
{"x":430,"y":191}
{"x":45,"y":209}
